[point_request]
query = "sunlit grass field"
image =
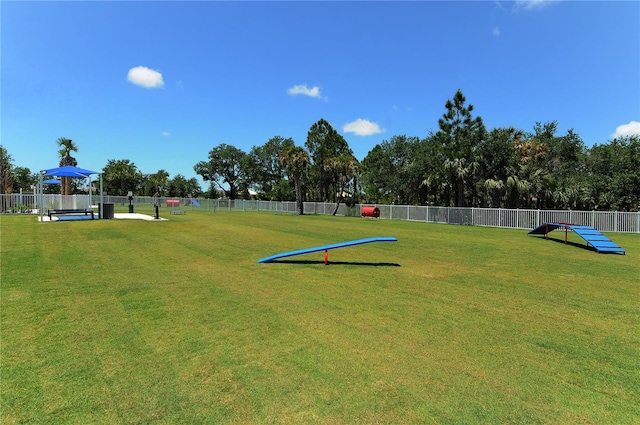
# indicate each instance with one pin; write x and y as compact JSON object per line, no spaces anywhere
{"x":128,"y":321}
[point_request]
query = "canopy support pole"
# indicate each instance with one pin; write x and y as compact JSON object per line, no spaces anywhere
{"x":101,"y":199}
{"x":40,"y":197}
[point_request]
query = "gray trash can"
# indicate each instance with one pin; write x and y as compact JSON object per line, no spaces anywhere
{"x":108,"y":210}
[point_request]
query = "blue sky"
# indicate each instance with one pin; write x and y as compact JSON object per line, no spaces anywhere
{"x":162,"y":83}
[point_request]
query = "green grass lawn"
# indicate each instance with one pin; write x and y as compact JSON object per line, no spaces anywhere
{"x":127,"y":321}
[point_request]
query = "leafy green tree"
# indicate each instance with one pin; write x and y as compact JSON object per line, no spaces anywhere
{"x":377,"y":175}
{"x":6,"y":179}
{"x":613,"y":174}
{"x":212,"y":191}
{"x":23,"y":179}
{"x":120,"y":177}
{"x":394,"y":170}
{"x":6,"y":171}
{"x":267,"y":171}
{"x":296,"y":160}
{"x":324,"y":142}
{"x":181,"y":187}
{"x":227,"y":164}
{"x":460,"y":135}
{"x":67,"y":147}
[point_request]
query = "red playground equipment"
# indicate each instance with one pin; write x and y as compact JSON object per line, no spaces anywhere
{"x":370,"y":212}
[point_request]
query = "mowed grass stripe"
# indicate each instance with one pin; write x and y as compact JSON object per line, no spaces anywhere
{"x":174,"y":322}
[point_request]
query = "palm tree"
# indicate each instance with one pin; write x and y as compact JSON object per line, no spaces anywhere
{"x":67,"y":146}
{"x":516,"y":189}
{"x":160,"y":181}
{"x":495,"y":190}
{"x":295,"y":161}
{"x":461,"y":173}
{"x":344,"y":169}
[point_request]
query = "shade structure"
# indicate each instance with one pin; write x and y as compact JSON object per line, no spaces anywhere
{"x":67,"y":171}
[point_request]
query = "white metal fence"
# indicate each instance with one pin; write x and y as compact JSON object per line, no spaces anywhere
{"x":606,"y":221}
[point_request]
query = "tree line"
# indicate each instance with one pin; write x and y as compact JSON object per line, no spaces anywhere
{"x":461,"y":164}
{"x":119,"y":177}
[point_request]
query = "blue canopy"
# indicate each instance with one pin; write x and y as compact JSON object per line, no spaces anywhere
{"x":66,"y":171}
{"x":69,"y":171}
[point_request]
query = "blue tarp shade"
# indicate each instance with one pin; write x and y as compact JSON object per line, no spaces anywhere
{"x":51,"y":181}
{"x":69,"y":171}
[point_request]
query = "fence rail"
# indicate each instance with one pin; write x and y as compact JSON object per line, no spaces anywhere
{"x":606,"y":221}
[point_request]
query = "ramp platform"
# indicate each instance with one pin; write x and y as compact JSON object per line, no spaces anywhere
{"x":326,"y":248}
{"x":592,"y":236}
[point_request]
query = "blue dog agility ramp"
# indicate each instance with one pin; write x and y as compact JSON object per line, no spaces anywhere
{"x":326,"y":248}
{"x":592,"y":236}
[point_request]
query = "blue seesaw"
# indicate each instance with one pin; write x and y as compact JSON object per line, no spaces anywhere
{"x":326,"y":248}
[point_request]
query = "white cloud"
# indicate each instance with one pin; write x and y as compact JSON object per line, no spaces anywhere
{"x":304,"y":90}
{"x":402,"y":108}
{"x":533,"y":4}
{"x":362,"y":127}
{"x":166,"y":134}
{"x":631,"y":129}
{"x":145,"y":77}
{"x":496,"y":31}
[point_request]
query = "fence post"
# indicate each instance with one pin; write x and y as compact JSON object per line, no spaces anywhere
{"x":615,"y":221}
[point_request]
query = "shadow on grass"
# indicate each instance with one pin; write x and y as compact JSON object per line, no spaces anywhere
{"x":336,"y":263}
{"x":575,"y":244}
